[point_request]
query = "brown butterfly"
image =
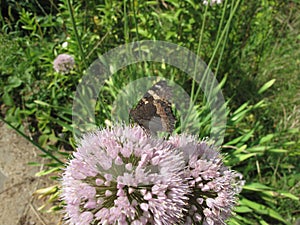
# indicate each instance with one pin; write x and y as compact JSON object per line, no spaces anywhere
{"x":154,"y":112}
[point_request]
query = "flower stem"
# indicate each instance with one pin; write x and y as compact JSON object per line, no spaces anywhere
{"x":76,"y":32}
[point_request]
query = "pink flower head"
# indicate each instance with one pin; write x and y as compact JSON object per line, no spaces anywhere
{"x":213,"y":185}
{"x":122,"y":176}
{"x":63,"y":63}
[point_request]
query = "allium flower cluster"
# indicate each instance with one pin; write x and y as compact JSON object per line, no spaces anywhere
{"x":122,"y":176}
{"x":63,"y":63}
{"x":212,"y":2}
{"x":212,"y":185}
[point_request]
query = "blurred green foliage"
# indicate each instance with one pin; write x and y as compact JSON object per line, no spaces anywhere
{"x":251,"y":46}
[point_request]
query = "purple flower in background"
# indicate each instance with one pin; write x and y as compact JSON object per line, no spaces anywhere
{"x":63,"y":63}
{"x":213,"y":185}
{"x":212,"y":2}
{"x":122,"y":176}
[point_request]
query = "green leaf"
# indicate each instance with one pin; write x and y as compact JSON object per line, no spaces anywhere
{"x":29,"y":27}
{"x":278,"y":150}
{"x":13,"y":82}
{"x":266,"y":138}
{"x":245,"y":156}
{"x":240,"y":149}
{"x":242,"y":107}
{"x":7,"y":99}
{"x":240,"y":158}
{"x":260,"y":104}
{"x":262,"y":209}
{"x":46,"y":172}
{"x":289,"y":195}
{"x":238,"y":220}
{"x":258,"y":149}
{"x":234,"y":141}
{"x":243,"y":209}
{"x":256,"y":187}
{"x":42,"y":103}
{"x":266,"y":86}
{"x":294,"y":130}
{"x":247,"y":136}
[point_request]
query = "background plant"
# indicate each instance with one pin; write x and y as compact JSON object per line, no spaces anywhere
{"x":246,"y":44}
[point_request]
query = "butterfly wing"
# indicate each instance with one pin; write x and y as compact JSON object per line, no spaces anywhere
{"x":154,"y":112}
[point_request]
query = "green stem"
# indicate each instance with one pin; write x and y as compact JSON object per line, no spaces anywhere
{"x":135,"y":22}
{"x":193,"y":96}
{"x":126,"y":29}
{"x":76,"y":33}
{"x":219,"y":41}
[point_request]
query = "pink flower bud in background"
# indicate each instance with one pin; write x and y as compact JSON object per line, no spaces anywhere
{"x":63,"y":63}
